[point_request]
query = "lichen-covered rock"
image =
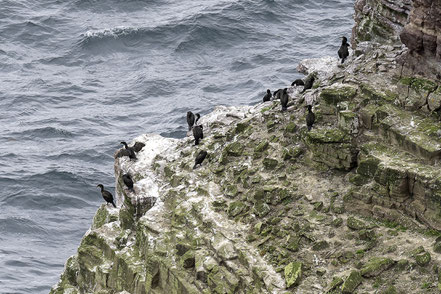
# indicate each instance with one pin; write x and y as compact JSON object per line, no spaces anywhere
{"x":293,"y":273}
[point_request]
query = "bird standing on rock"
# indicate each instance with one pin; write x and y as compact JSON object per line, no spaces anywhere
{"x":106,"y":195}
{"x":192,"y":119}
{"x":198,"y":134}
{"x":268,"y":95}
{"x":127,"y":179}
{"x":343,"y":52}
{"x":310,"y":118}
{"x":129,"y":151}
{"x":284,"y":99}
{"x":200,"y":158}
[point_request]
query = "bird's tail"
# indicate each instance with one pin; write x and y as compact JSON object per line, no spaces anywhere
{"x":132,"y":190}
{"x":195,"y":165}
{"x":309,"y":128}
{"x":284,"y":108}
{"x":343,"y":60}
{"x":196,"y":141}
{"x":113,"y":203}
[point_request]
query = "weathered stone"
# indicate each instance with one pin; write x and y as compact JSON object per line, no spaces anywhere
{"x":188,"y":259}
{"x":423,"y":259}
{"x":336,"y":282}
{"x":320,"y":245}
{"x":376,"y":266}
{"x":334,"y":95}
{"x":270,"y":163}
{"x":262,"y":146}
{"x":261,"y":209}
{"x":351,"y":283}
{"x":235,"y":208}
{"x":293,"y":273}
{"x":291,"y":127}
{"x":355,"y":224}
{"x":235,"y":149}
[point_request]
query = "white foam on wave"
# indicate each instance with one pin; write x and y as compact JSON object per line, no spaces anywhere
{"x":113,"y":32}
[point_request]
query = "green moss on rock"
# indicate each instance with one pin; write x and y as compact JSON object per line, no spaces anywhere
{"x":293,"y":273}
{"x":335,"y":95}
{"x":235,"y":208}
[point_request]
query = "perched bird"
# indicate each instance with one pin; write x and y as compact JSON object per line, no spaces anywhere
{"x":199,"y":158}
{"x":268,"y":95}
{"x":198,"y":134}
{"x":127,"y":179}
{"x":309,"y":82}
{"x":106,"y":195}
{"x":310,"y":118}
{"x":190,"y":119}
{"x":138,"y":146}
{"x":298,"y":82}
{"x":343,"y":52}
{"x":128,"y":151}
{"x":284,"y":99}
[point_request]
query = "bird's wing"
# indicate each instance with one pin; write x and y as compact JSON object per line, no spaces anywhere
{"x":138,"y":146}
{"x":122,"y":152}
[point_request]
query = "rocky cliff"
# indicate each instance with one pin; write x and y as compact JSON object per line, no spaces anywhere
{"x":352,"y":206}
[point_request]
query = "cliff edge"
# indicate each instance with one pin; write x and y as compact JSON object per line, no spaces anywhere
{"x":352,"y":206}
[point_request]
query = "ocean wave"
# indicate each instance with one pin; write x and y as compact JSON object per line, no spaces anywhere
{"x":45,"y":132}
{"x":221,"y":27}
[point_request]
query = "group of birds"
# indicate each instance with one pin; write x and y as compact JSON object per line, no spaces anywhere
{"x":198,"y":134}
{"x":130,"y":152}
{"x":282,"y":94}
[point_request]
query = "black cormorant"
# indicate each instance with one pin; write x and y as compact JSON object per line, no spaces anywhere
{"x":343,"y":52}
{"x":298,"y":82}
{"x":284,"y":99}
{"x":308,"y":83}
{"x":198,"y":134}
{"x":127,"y":179}
{"x":106,"y":195}
{"x":199,"y":158}
{"x":129,"y":151}
{"x":310,"y":118}
{"x":268,"y":95}
{"x":190,"y":119}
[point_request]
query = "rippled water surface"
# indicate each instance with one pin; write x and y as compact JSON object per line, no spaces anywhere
{"x":79,"y":76}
